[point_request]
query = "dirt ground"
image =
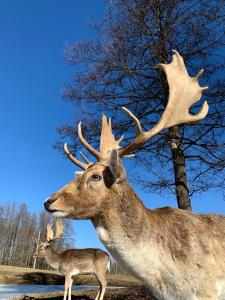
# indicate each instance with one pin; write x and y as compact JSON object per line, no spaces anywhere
{"x":132,"y":293}
{"x":133,"y":289}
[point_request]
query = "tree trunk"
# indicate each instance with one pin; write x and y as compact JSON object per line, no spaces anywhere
{"x":182,"y":191}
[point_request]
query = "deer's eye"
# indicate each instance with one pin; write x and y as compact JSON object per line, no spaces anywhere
{"x":96,"y":177}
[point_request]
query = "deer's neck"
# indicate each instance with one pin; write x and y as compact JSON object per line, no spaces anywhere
{"x":52,"y":258}
{"x":126,"y":211}
{"x":125,"y":223}
{"x":128,"y":230}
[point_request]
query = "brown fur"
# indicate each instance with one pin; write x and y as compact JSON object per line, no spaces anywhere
{"x":177,"y":254}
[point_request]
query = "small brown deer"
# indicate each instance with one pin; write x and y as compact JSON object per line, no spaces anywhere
{"x":74,"y":261}
{"x":175,"y":253}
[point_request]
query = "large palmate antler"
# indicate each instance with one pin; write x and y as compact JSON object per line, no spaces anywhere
{"x":58,"y":230}
{"x":184,"y":91}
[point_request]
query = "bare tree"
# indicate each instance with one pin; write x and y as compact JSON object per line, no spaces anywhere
{"x":117,"y":69}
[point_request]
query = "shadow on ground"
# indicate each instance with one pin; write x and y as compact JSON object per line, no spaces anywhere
{"x":58,"y":298}
{"x":133,"y":293}
{"x":42,"y":278}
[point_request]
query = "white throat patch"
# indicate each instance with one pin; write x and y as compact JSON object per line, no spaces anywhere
{"x":60,"y":214}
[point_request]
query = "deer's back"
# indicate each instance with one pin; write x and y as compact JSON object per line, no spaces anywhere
{"x":81,"y":261}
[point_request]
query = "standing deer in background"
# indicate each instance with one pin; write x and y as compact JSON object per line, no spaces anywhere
{"x":74,"y":261}
{"x":175,"y":253}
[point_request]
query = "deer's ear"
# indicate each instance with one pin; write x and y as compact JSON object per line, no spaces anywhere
{"x":116,"y":167}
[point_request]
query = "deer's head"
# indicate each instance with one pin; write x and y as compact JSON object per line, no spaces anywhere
{"x":88,"y":194}
{"x":51,"y":236}
{"x":98,"y":187}
{"x":42,"y":250}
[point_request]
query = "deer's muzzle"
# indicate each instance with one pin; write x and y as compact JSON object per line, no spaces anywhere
{"x":48,"y":204}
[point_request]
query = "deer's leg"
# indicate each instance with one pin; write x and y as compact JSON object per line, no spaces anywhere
{"x":96,"y":298}
{"x":99,"y":289}
{"x":103,"y":283}
{"x":66,"y":286}
{"x":70,"y":287}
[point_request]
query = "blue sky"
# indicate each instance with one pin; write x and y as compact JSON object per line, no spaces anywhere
{"x":32,"y":72}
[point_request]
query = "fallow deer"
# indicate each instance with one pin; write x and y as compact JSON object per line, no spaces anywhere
{"x":175,"y":253}
{"x":74,"y":261}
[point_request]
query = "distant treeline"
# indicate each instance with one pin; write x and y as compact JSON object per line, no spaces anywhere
{"x":19,"y":230}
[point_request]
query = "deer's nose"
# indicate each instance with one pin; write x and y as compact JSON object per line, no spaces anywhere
{"x":48,"y":202}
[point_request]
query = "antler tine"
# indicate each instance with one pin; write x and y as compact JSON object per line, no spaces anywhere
{"x":120,"y":139}
{"x":184,"y":91}
{"x":73,"y":159}
{"x":85,"y":158}
{"x":85,"y":143}
{"x":141,"y":137}
{"x":135,"y":119}
{"x":58,"y":228}
{"x":50,"y":234}
{"x":196,"y":78}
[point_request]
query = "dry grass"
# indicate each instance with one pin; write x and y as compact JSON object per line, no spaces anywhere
{"x":18,"y":275}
